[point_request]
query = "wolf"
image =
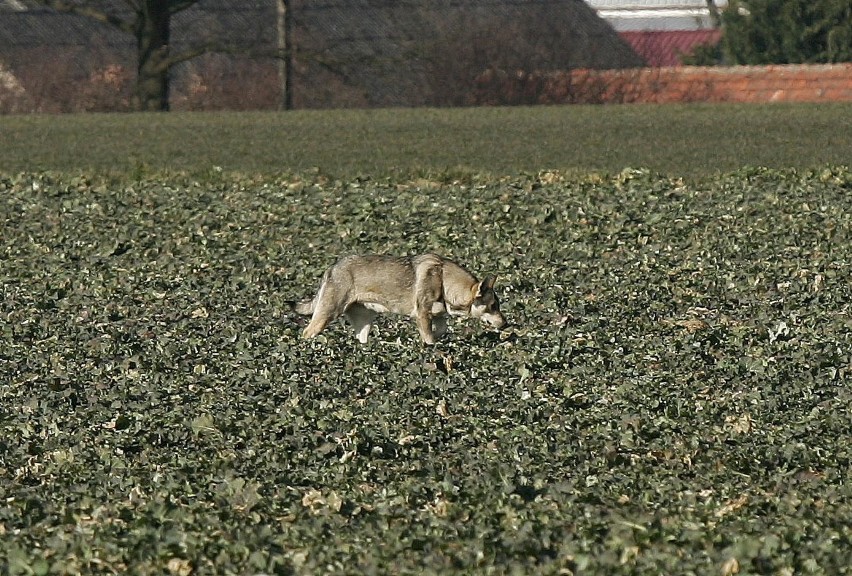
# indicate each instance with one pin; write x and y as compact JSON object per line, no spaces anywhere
{"x":427,"y":287}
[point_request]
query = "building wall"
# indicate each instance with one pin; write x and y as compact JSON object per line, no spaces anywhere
{"x":764,"y":84}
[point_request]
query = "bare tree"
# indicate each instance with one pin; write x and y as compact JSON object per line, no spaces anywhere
{"x":149,"y":22}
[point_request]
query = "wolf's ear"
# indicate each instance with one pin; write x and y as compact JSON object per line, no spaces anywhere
{"x":486,"y":285}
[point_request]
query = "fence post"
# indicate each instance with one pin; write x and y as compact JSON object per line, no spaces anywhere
{"x":285,"y":54}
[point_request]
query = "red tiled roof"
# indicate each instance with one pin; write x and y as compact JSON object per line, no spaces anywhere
{"x":666,"y":47}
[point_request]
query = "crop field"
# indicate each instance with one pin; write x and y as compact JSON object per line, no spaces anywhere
{"x":684,"y":141}
{"x":671,"y":397}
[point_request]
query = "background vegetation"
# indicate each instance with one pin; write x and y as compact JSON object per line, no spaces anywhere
{"x":787,"y":31}
{"x":101,"y":56}
{"x":688,"y":140}
{"x":96,"y":55}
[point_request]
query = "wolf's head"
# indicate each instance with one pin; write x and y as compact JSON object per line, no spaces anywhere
{"x":486,"y":305}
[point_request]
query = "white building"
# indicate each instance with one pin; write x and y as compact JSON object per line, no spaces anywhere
{"x":660,"y":15}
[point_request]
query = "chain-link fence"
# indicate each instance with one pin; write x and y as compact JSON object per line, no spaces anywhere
{"x":341,"y":53}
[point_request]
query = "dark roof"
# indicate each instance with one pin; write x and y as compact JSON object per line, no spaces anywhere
{"x":392,"y":52}
{"x":667,"y":47}
{"x":238,"y":22}
{"x":41,"y":27}
{"x":403,"y":52}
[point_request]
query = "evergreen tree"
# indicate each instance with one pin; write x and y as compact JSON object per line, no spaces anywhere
{"x":787,"y":31}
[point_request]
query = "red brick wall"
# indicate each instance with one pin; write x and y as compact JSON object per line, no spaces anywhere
{"x":793,"y":83}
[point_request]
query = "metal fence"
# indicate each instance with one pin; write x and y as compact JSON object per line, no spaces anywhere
{"x":362,"y":53}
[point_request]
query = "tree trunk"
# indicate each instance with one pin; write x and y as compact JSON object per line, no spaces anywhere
{"x":152,"y":42}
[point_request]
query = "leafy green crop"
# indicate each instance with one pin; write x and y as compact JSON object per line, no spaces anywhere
{"x":692,"y":141}
{"x":672,"y":396}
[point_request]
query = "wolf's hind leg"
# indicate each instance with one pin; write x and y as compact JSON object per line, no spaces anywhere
{"x":361,"y":319}
{"x":315,"y":326}
{"x":328,"y":305}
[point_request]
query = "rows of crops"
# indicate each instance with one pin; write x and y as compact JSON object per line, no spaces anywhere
{"x":671,"y":397}
{"x":684,"y":140}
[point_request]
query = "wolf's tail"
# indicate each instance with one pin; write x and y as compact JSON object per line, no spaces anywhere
{"x":305,"y":308}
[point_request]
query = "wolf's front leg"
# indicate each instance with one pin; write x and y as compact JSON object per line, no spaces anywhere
{"x":424,"y":325}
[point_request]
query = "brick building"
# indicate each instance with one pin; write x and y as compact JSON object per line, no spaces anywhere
{"x":662,"y":31}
